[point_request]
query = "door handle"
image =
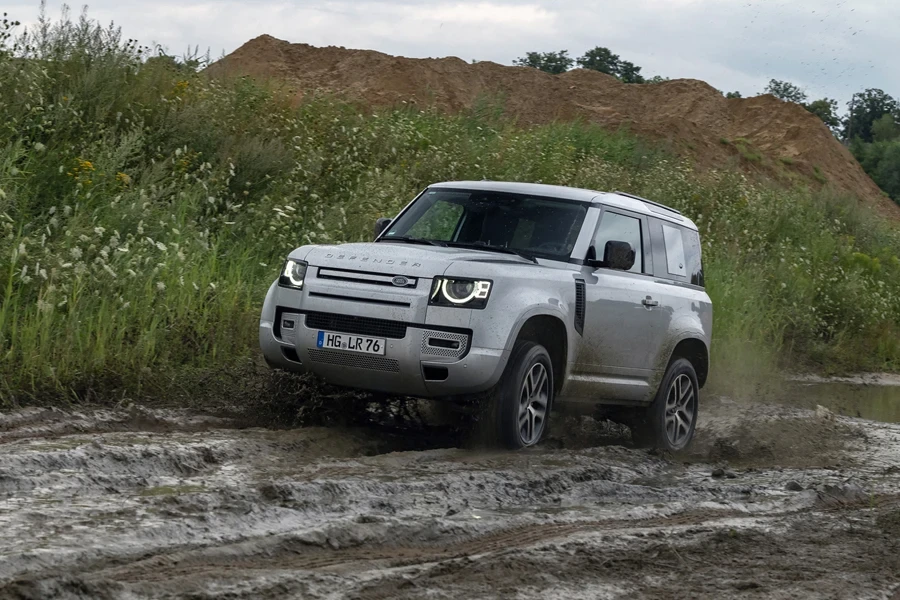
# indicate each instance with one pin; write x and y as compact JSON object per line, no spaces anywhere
{"x":649,"y":302}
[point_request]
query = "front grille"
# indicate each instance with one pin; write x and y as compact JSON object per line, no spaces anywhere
{"x":359,"y":361}
{"x":394,"y":330}
{"x":460,"y":338}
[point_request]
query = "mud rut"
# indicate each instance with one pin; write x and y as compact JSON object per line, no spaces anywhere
{"x":165,"y":504}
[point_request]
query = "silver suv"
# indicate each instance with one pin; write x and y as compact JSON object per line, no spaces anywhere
{"x":525,"y":295}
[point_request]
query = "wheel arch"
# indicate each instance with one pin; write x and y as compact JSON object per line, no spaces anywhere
{"x":550,"y":331}
{"x":697,"y":352}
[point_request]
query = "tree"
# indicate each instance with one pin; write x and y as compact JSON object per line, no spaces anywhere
{"x":786,"y":91}
{"x":600,"y":59}
{"x":866,"y":108}
{"x":550,"y":62}
{"x":885,"y":129}
{"x":629,"y":73}
{"x":603,"y":60}
{"x":657,"y":79}
{"x":733,"y":95}
{"x":826,"y":109}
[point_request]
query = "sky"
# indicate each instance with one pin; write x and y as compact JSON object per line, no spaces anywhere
{"x":830,"y":48}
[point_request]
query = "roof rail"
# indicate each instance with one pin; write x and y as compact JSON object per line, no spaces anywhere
{"x":648,"y":201}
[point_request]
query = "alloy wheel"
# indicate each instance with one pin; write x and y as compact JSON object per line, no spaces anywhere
{"x":533,"y":400}
{"x":681,"y":409}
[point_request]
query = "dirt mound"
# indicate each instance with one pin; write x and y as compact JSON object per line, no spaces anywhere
{"x":761,"y":134}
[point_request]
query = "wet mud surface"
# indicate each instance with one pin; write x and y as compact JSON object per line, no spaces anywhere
{"x":770,"y":502}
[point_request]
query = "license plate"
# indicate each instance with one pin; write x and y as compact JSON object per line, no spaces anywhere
{"x":350,"y":343}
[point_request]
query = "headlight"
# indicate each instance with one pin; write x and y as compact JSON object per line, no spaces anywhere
{"x":466,"y":293}
{"x":293,"y":274}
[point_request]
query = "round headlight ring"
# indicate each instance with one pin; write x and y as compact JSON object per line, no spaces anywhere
{"x":446,"y":286}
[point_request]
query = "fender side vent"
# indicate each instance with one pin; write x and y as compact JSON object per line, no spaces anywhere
{"x":579,"y":306}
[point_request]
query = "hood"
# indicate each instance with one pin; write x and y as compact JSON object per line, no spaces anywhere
{"x":399,"y":258}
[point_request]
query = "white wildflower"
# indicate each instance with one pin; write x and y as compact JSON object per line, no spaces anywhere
{"x":126,"y":305}
{"x":161,"y":246}
{"x":131,"y":272}
{"x":39,"y":147}
{"x":160,"y":286}
{"x":43,"y":274}
{"x":45,"y":307}
{"x":109,"y":270}
{"x":212,"y":285}
{"x":75,"y":252}
{"x":22,"y":250}
{"x":99,"y":230}
{"x":196,"y":287}
{"x":67,"y":210}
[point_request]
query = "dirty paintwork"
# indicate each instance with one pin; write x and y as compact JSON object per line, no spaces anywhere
{"x":633,"y":321}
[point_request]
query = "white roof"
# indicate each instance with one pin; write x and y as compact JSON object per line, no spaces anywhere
{"x":613,"y":199}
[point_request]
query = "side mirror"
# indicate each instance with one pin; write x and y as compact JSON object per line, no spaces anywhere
{"x":616,"y":255}
{"x":381,"y":224}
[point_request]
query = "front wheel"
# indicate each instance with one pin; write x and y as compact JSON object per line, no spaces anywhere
{"x":671,"y":419}
{"x":520,"y":404}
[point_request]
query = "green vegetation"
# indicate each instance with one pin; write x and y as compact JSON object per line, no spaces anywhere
{"x":597,"y":59}
{"x":145,"y":209}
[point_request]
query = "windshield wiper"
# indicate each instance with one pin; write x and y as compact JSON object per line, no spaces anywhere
{"x":411,"y":240}
{"x":518,"y":253}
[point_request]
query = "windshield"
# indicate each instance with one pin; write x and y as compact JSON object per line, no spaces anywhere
{"x":533,"y":225}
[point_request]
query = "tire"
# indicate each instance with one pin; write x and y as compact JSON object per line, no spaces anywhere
{"x":520,"y":403}
{"x":671,"y":419}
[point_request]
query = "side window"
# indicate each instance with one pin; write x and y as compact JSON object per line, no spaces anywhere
{"x":439,"y":221}
{"x":620,"y":228}
{"x":675,"y":262}
{"x":694,"y":264}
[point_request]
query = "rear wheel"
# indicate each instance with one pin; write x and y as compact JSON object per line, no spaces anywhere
{"x":670,"y":421}
{"x":520,"y":404}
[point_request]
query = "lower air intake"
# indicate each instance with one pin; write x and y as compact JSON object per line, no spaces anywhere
{"x":359,"y":361}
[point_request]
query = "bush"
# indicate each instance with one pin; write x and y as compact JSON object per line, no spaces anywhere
{"x":144,"y":210}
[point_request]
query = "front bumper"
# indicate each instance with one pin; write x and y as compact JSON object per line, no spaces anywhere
{"x":411,"y":365}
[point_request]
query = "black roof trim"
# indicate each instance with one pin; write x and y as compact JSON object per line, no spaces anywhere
{"x":648,"y":201}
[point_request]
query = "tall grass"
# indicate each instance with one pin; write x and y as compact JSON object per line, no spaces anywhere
{"x":144,"y":209}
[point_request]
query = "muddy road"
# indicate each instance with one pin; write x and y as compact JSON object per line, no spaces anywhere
{"x":771,"y":502}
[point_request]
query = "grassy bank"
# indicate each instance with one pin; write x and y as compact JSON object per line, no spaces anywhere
{"x":144,"y":209}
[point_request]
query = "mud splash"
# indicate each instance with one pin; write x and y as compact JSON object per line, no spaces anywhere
{"x":170,"y":504}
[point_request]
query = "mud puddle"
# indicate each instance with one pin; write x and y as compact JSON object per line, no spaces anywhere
{"x":865,"y":398}
{"x":770,"y":502}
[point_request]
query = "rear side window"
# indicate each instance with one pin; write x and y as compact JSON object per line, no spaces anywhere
{"x":694,"y":262}
{"x":676,"y":253}
{"x":675,"y":260}
{"x":620,"y":228}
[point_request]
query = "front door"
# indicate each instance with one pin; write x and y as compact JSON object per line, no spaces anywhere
{"x":614,"y":355}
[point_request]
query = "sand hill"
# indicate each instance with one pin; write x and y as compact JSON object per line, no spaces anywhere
{"x":761,"y":134}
